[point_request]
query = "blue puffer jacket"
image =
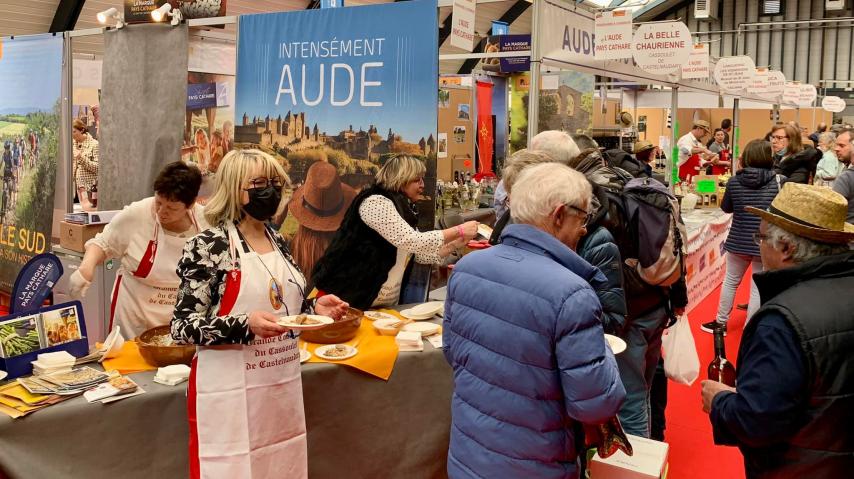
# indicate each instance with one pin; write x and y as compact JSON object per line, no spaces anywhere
{"x":523,"y":336}
{"x":755,"y":187}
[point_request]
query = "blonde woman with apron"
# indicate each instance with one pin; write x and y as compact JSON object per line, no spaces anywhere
{"x":245,"y":403}
{"x":147,"y":237}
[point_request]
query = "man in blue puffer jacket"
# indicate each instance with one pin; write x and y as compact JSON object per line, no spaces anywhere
{"x":523,"y":334}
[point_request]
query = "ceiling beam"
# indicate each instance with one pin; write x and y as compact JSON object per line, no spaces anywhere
{"x":445,"y":29}
{"x":67,"y":13}
{"x":510,"y":16}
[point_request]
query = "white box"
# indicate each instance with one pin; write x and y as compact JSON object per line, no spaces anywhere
{"x":648,"y":461}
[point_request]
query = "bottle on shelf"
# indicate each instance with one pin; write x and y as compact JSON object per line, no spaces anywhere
{"x":720,"y":369}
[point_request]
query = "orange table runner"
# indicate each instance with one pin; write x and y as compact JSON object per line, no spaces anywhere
{"x":128,"y":361}
{"x":377,"y":353}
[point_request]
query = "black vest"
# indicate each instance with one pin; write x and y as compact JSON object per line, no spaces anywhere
{"x":817,"y":300}
{"x":358,"y":259}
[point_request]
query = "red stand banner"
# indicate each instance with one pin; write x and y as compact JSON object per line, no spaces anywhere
{"x":484,"y":130}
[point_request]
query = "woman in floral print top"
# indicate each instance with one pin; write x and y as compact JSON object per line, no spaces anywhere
{"x":207,"y":262}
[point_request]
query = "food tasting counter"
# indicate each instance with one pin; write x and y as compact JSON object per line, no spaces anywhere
{"x":705,"y":264}
{"x":356,"y":423}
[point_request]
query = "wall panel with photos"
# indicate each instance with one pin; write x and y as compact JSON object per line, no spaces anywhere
{"x":456,"y":128}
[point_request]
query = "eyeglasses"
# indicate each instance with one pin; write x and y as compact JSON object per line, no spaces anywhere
{"x":275,"y":182}
{"x":779,"y":137}
{"x":584,"y":214}
{"x":758,"y":238}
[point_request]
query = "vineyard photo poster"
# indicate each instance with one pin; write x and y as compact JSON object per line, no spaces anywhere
{"x":30,"y":84}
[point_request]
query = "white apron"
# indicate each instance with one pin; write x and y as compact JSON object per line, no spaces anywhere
{"x":245,"y":401}
{"x":146,"y":297}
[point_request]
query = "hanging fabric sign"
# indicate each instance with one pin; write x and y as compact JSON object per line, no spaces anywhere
{"x":484,"y":128}
{"x":662,"y":48}
{"x":833,"y":104}
{"x":613,"y":35}
{"x":462,"y":28}
{"x":776,"y":85}
{"x":806,"y":95}
{"x":759,"y":84}
{"x":734,"y":74}
{"x":792,"y":93}
{"x":698,"y":62}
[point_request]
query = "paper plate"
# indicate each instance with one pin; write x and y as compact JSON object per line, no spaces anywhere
{"x":304,"y":355}
{"x":616,"y":344}
{"x":375,"y":315}
{"x":3,"y":375}
{"x":426,"y":329}
{"x":320,"y":352}
{"x":427,"y":309}
{"x":408,"y":314}
{"x":289,"y":322}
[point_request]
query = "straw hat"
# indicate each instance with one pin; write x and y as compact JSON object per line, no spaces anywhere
{"x":702,"y":124}
{"x":810,"y":211}
{"x":321,"y":202}
{"x":643,"y":145}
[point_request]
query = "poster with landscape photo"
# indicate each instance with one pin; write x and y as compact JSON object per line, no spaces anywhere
{"x":347,"y":86}
{"x":30,"y":82}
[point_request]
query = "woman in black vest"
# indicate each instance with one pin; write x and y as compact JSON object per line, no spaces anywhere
{"x":366,"y":261}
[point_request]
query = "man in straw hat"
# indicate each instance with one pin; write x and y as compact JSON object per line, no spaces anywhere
{"x":793,"y":406}
{"x":692,"y":149}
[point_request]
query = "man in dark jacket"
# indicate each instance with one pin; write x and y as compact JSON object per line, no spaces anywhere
{"x":793,"y":408}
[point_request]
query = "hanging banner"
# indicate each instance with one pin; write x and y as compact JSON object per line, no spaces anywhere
{"x":807,"y":95}
{"x":698,"y":62}
{"x":351,"y":86}
{"x":776,"y":85}
{"x":485,"y":138}
{"x":760,"y":82}
{"x":792,"y":93}
{"x":462,"y":28}
{"x":507,"y":43}
{"x":613,"y":35}
{"x":30,"y":81}
{"x":662,"y":48}
{"x":139,"y":11}
{"x":734,"y":74}
{"x":833,"y":104}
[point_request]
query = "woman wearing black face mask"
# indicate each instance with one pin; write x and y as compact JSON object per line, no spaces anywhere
{"x":237,"y":279}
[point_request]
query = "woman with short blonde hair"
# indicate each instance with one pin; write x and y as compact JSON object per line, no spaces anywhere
{"x":238,"y":281}
{"x":367,"y":260}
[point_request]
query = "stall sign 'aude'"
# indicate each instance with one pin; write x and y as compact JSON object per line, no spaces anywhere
{"x":614,"y":34}
{"x":698,"y":62}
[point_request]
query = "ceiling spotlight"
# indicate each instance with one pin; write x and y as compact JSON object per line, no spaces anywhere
{"x":111,"y":13}
{"x":159,"y":14}
{"x":166,"y":10}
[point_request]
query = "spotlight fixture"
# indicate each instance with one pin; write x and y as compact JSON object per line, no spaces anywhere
{"x":166,"y":10}
{"x":111,"y":13}
{"x":159,"y":14}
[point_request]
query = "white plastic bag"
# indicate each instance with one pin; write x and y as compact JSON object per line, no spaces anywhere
{"x":681,"y":362}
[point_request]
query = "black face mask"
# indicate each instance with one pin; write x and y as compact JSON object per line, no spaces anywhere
{"x":263,"y":202}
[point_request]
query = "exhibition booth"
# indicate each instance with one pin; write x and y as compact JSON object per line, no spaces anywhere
{"x":351,"y":87}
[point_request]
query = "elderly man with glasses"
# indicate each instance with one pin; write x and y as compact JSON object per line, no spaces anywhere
{"x":793,"y":405}
{"x":523,"y":335}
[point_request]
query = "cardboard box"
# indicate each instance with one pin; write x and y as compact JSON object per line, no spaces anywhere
{"x":648,"y":461}
{"x":74,"y":237}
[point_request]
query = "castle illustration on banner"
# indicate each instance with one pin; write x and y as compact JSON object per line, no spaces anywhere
{"x":294,"y":132}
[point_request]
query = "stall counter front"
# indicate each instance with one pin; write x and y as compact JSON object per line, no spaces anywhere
{"x":356,"y":423}
{"x":706,"y":265}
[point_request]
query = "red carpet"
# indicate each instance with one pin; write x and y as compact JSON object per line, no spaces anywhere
{"x":693,"y":453}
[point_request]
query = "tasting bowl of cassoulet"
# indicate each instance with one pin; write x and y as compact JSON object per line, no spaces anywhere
{"x":343,"y":329}
{"x":158,"y":349}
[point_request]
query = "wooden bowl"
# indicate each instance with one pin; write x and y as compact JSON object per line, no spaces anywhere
{"x":340,"y":331}
{"x":161,"y":356}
